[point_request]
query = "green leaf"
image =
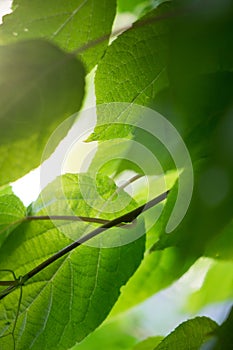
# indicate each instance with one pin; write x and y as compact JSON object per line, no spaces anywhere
{"x":12,"y":211}
{"x":148,"y":344}
{"x":217,"y":286}
{"x":190,"y":96}
{"x":157,"y":271}
{"x":139,"y":54}
{"x":210,"y":144}
{"x":93,"y":196}
{"x":189,"y":335}
{"x":70,"y":298}
{"x":40,"y":86}
{"x":69,"y":24}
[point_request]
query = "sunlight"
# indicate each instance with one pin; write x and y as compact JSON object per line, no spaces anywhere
{"x":5,"y":8}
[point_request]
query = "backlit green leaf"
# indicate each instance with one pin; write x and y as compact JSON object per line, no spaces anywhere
{"x":189,"y":335}
{"x":69,"y":24}
{"x":40,"y":86}
{"x":140,"y":54}
{"x":217,"y":286}
{"x":116,"y":335}
{"x":157,"y":271}
{"x":69,"y":299}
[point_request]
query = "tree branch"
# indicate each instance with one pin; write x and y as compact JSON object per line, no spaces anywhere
{"x":126,"y":218}
{"x":138,"y":24}
{"x":66,"y":218}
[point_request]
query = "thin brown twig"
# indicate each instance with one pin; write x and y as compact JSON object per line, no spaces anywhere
{"x":66,"y":218}
{"x":126,"y":218}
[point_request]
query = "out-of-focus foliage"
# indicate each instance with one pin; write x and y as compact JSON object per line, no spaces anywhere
{"x":148,"y":344}
{"x":40,"y":86}
{"x":217,"y":286}
{"x":116,"y":335}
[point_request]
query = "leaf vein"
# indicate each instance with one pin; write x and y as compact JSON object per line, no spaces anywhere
{"x":73,"y":14}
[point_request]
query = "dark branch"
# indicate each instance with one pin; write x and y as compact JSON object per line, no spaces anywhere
{"x":126,"y":218}
{"x":129,"y":217}
{"x":67,"y":218}
{"x":55,"y":217}
{"x":168,"y":15}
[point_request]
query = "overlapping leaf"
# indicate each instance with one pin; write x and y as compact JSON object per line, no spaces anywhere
{"x":116,"y":335}
{"x":69,"y":299}
{"x":212,"y":291}
{"x":157,"y":271}
{"x":141,"y":49}
{"x":40,"y":86}
{"x":140,"y":54}
{"x":69,"y":24}
{"x":189,"y":335}
{"x":202,"y":95}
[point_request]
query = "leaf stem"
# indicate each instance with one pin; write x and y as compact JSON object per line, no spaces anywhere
{"x":129,"y":182}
